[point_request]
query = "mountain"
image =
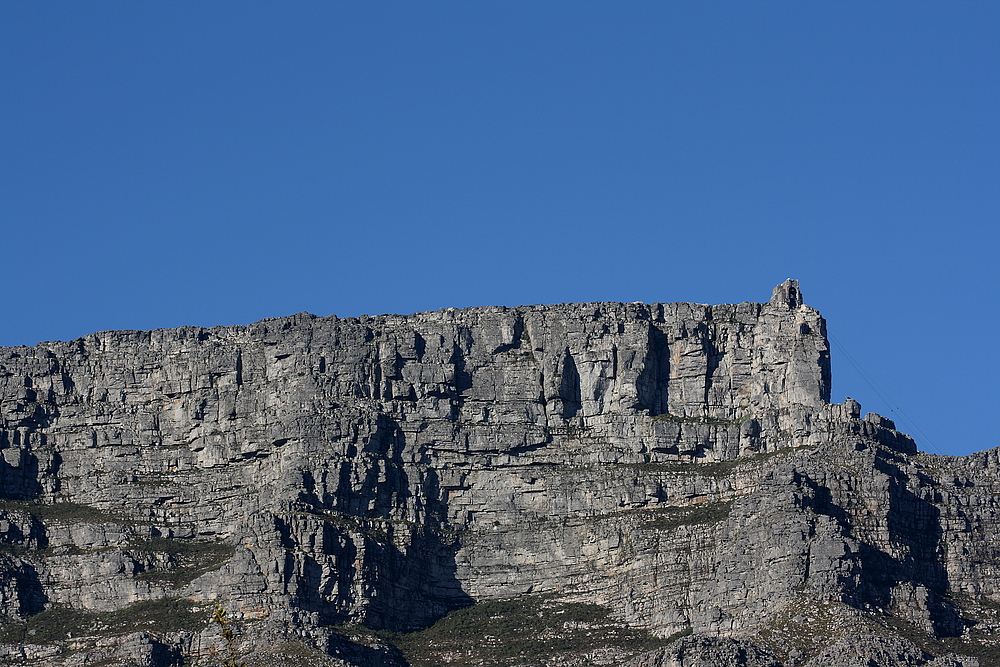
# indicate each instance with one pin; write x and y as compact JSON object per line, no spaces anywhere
{"x":661,"y":485}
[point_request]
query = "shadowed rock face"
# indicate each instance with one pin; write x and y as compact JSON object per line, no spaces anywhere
{"x":678,"y":464}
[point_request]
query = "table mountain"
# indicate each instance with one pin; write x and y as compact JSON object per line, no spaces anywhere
{"x":650,"y":485}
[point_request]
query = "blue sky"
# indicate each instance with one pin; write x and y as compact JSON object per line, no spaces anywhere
{"x":173,"y":163}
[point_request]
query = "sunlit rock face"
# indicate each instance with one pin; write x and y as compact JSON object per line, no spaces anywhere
{"x":679,"y":465}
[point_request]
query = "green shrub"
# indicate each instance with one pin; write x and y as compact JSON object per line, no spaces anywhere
{"x":672,"y":517}
{"x":60,"y":511}
{"x":530,"y":630}
{"x":59,"y":623}
{"x":229,"y":636}
{"x":191,"y":558}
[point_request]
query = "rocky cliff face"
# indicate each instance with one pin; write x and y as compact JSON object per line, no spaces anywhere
{"x":646,"y":471}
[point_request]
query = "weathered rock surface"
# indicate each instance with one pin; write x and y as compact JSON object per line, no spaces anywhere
{"x":678,"y":464}
{"x":700,"y":651}
{"x":881,"y":650}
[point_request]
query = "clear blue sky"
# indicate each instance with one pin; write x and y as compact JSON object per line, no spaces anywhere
{"x":172,"y":163}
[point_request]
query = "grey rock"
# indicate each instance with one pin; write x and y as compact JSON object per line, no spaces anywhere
{"x":700,"y":651}
{"x":882,"y":650}
{"x":678,"y":464}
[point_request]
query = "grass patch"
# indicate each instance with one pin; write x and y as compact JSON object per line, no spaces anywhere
{"x":716,"y":469}
{"x":712,"y":421}
{"x":679,"y":635}
{"x":977,"y":645}
{"x":798,"y":623}
{"x":374,"y":529}
{"x":530,"y":630}
{"x":59,"y":511}
{"x":187,"y":559}
{"x":288,"y":654}
{"x":668,"y":518}
{"x":571,"y":432}
{"x":61,"y":623}
{"x":378,"y":529}
{"x":21,"y":551}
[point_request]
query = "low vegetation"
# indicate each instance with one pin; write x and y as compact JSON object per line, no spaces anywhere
{"x":188,"y":559}
{"x":530,"y":630}
{"x":231,"y":658}
{"x":714,"y":469}
{"x":61,"y":623}
{"x":287,"y":654}
{"x":808,"y":625}
{"x":689,"y":515}
{"x":59,"y":511}
{"x":979,"y":642}
{"x":711,"y":421}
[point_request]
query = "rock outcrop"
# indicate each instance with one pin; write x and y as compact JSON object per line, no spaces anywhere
{"x":678,"y":466}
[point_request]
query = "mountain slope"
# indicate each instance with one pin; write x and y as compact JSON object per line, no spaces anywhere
{"x":597,"y":478}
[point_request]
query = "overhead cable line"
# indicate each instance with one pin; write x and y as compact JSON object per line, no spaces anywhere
{"x":882,"y":394}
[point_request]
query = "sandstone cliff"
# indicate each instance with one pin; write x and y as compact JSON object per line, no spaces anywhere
{"x":599,"y":479}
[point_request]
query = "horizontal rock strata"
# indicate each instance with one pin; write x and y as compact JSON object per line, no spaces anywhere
{"x":678,"y":465}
